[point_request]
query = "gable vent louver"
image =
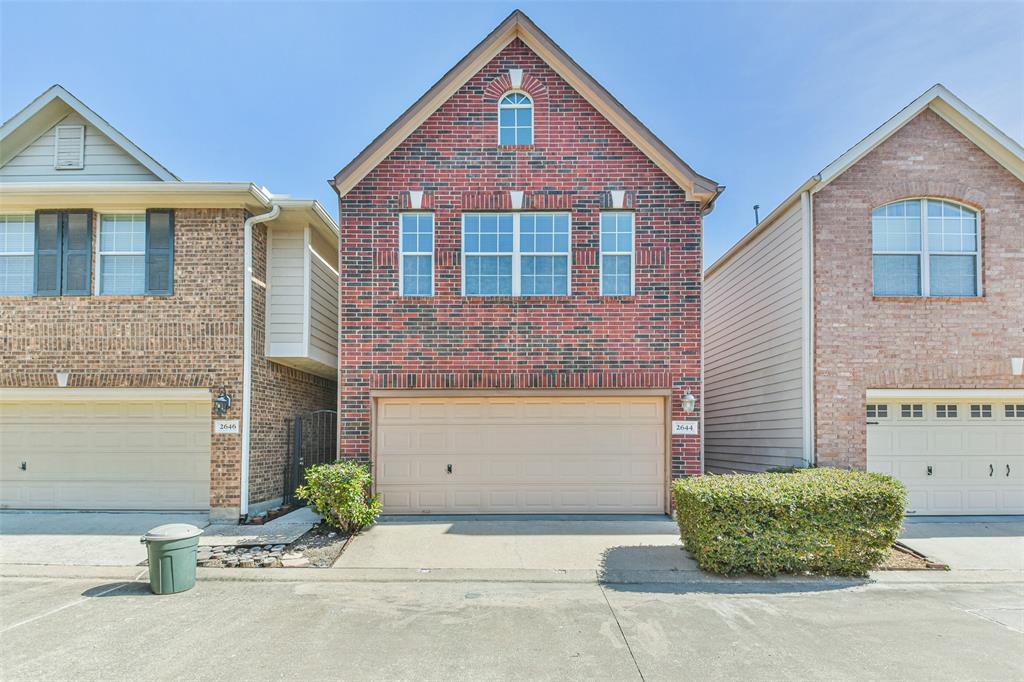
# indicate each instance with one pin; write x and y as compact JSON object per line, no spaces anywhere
{"x":69,"y":147}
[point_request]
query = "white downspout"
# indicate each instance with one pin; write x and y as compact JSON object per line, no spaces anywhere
{"x":247,"y":352}
{"x":807,"y":324}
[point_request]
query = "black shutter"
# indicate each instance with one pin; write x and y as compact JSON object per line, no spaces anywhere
{"x":77,"y":278}
{"x":48,"y":253}
{"x":160,"y":251}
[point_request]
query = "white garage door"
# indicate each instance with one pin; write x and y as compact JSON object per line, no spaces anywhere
{"x":95,"y":449}
{"x":498,"y":455}
{"x":956,"y":455}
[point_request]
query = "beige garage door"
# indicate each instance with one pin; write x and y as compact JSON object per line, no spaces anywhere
{"x":92,"y":450}
{"x":505,"y":455}
{"x":956,"y":455}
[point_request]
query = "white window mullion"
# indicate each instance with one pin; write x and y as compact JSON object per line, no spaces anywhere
{"x":925,"y":253}
{"x":516,"y":256}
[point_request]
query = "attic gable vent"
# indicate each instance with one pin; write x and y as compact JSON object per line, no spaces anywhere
{"x":69,"y":147}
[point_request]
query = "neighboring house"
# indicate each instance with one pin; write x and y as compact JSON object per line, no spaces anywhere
{"x":521,"y":294}
{"x":876,"y":318}
{"x":123,"y":316}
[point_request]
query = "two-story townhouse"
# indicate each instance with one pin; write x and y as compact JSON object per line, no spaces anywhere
{"x":520,"y":299}
{"x":134,"y":307}
{"x":875,"y":319}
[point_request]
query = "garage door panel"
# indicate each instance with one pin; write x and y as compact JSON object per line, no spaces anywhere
{"x":974,"y":463}
{"x":105,"y":454}
{"x":521,"y":454}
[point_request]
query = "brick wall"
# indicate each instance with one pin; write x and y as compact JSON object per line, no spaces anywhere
{"x":191,"y":339}
{"x":278,"y":392}
{"x":651,"y":340}
{"x":863,"y":342}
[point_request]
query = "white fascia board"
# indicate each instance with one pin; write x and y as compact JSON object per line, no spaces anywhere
{"x":940,"y":393}
{"x":106,"y":394}
{"x":314,"y":212}
{"x":944,"y":103}
{"x":100,"y":195}
{"x":58,"y":92}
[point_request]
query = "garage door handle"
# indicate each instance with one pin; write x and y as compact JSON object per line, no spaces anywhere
{"x":1007,"y":469}
{"x":929,"y":471}
{"x":449,"y":468}
{"x":991,"y":470}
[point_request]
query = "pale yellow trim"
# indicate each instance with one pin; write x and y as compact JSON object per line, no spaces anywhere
{"x":105,"y":394}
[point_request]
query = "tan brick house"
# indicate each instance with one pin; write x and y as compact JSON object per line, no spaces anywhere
{"x":123,"y":316}
{"x":875,"y":319}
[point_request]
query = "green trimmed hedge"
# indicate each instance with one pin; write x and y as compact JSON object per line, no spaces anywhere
{"x":822,"y":521}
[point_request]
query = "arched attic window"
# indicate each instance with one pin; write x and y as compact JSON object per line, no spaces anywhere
{"x":515,"y":119}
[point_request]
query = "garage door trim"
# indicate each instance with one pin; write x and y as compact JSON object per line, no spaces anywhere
{"x":664,"y":393}
{"x":75,"y":393}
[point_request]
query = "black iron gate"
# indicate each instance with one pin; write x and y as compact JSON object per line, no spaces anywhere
{"x":312,"y":439}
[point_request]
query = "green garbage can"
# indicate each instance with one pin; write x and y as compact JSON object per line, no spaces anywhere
{"x":172,"y":557}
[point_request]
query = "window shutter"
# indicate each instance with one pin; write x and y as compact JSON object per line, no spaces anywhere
{"x":160,"y":252}
{"x":77,"y":253}
{"x":69,"y":147}
{"x":48,"y":253}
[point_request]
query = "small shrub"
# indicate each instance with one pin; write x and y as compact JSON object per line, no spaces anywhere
{"x":822,"y":521}
{"x":340,"y":492}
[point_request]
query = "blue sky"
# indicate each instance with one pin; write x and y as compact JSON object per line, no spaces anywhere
{"x":758,"y":96}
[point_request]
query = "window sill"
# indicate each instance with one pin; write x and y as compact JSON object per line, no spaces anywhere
{"x":928,"y":299}
{"x":515,"y":147}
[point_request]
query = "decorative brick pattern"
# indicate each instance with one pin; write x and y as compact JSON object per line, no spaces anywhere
{"x":863,"y":342}
{"x":651,"y":340}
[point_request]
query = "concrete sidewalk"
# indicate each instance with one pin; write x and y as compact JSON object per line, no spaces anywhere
{"x":969,"y":543}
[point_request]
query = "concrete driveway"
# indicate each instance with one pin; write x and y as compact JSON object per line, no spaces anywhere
{"x":969,"y":543}
{"x":606,"y":544}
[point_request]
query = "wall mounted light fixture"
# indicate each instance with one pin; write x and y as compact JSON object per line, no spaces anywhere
{"x":222,"y":403}
{"x":689,"y":403}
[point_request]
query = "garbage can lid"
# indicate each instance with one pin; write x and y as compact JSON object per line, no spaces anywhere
{"x":172,"y":531}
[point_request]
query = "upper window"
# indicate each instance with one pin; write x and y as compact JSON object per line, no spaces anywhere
{"x":515,"y":254}
{"x":515,"y":119}
{"x":617,"y":254}
{"x":912,"y":410}
{"x":981,"y":411}
{"x":417,"y":259}
{"x":1014,"y":411}
{"x":123,"y":254}
{"x":17,"y":248}
{"x":946,"y":411}
{"x":941,"y":260}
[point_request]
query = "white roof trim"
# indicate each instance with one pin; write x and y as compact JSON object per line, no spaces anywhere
{"x":58,"y":92}
{"x":940,"y":393}
{"x":953,"y":110}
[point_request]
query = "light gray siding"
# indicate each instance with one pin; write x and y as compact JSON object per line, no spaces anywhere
{"x":753,"y":353}
{"x":323,"y":303}
{"x":104,"y":160}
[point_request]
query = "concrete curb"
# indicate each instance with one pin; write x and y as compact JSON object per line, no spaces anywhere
{"x":571,"y":576}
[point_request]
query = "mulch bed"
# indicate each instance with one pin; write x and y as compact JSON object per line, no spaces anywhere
{"x":903,"y":558}
{"x":319,"y":547}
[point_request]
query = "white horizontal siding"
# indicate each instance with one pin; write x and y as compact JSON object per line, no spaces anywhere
{"x":753,"y":354}
{"x":286,"y":298}
{"x":104,"y":160}
{"x":323,"y":294}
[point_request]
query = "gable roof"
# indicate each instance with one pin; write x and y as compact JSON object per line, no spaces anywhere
{"x":518,"y":25}
{"x":45,"y":111}
{"x":1001,"y":147}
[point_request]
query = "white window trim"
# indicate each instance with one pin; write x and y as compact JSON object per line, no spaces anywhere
{"x":517,"y":255}
{"x":100,"y":253}
{"x":602,"y":253}
{"x":32,"y":253}
{"x":402,"y":253}
{"x":925,"y":252}
{"x":522,"y":105}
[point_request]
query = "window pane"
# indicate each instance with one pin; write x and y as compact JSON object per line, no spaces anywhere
{"x":953,"y":276}
{"x":507,"y":117}
{"x":123,"y":233}
{"x":16,"y":276}
{"x":417,"y":278}
{"x":17,"y":234}
{"x":545,"y":275}
{"x":507,"y":136}
{"x":488,"y":275}
{"x":897,"y":227}
{"x":122,"y":275}
{"x":524,"y":136}
{"x":616,"y":279}
{"x":951,"y":227}
{"x":897,"y":275}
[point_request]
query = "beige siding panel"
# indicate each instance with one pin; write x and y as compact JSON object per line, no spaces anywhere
{"x":323,"y":328}
{"x":753,"y":346}
{"x":104,"y":160}
{"x":507,"y":455}
{"x":286,"y":287}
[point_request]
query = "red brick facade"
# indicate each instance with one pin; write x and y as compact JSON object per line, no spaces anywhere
{"x":191,"y":339}
{"x":583,"y":341}
{"x":864,"y":342}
